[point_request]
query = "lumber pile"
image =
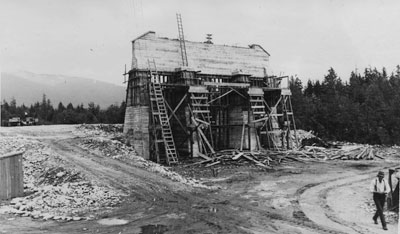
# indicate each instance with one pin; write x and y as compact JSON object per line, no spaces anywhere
{"x":234,"y":156}
{"x":268,"y":159}
{"x":346,"y":152}
{"x":265,"y":159}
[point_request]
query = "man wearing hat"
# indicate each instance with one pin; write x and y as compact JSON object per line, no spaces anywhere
{"x":380,"y":187}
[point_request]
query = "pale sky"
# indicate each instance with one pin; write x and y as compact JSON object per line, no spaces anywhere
{"x":92,"y":38}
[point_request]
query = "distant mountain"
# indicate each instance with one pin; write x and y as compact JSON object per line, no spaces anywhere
{"x":28,"y":88}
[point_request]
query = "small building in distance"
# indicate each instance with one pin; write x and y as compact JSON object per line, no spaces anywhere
{"x":189,"y":99}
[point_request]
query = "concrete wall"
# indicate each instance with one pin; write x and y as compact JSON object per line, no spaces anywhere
{"x":136,"y":129}
{"x":207,"y":58}
{"x":237,"y":114}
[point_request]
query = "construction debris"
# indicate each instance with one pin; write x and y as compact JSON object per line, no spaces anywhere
{"x":267,"y":159}
{"x":54,"y":190}
{"x":105,"y":130}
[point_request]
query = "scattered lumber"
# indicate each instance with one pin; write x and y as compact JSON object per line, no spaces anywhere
{"x":268,"y":159}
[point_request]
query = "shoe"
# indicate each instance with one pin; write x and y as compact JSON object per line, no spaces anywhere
{"x":375,"y":221}
{"x":385,"y":228}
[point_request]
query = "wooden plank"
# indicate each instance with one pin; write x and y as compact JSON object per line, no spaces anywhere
{"x":371,"y":154}
{"x":8,"y":177}
{"x":203,"y":137}
{"x":196,"y":163}
{"x":220,"y":96}
{"x":258,"y":163}
{"x":20,"y":176}
{"x":202,"y":121}
{"x":241,"y":139}
{"x":3,"y":179}
{"x":177,"y":106}
{"x":257,"y":140}
{"x":212,"y":164}
{"x":12,"y":154}
{"x":225,"y":84}
{"x":336,"y":157}
{"x":237,"y":156}
{"x":378,"y":156}
{"x":204,"y":156}
{"x":205,"y":140}
{"x":360,"y":155}
{"x":13,"y":179}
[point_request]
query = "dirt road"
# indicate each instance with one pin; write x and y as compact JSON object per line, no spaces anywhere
{"x":317,"y":197}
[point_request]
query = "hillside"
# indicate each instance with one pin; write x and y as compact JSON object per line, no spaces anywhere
{"x":28,"y":88}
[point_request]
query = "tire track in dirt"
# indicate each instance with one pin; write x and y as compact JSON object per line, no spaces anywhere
{"x":312,"y":202}
{"x":111,"y":172}
{"x":330,"y":213}
{"x":160,"y":193}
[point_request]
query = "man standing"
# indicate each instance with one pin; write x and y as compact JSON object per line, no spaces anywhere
{"x":380,"y":187}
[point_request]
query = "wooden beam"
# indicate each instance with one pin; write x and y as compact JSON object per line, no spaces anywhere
{"x":204,"y":138}
{"x":177,"y":107}
{"x":202,"y":121}
{"x":173,"y":114}
{"x":241,"y":139}
{"x":204,"y":156}
{"x":212,"y":164}
{"x":220,"y":96}
{"x":239,"y":93}
{"x":260,"y":120}
{"x":223,"y":84}
{"x":258,"y":163}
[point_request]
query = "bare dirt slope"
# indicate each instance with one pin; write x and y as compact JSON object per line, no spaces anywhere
{"x":314,"y":197}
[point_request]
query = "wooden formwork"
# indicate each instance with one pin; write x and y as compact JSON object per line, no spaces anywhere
{"x":225,"y":100}
{"x":11,"y":175}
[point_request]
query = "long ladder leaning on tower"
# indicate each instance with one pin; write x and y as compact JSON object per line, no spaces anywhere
{"x":160,"y":118}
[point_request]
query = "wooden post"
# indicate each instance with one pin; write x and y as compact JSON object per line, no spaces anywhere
{"x":242,"y":138}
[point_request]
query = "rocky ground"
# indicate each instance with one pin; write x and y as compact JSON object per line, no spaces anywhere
{"x":83,"y":179}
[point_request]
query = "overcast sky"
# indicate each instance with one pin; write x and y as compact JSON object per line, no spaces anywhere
{"x":92,"y":38}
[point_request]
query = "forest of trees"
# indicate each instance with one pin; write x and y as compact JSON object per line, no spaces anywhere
{"x":364,"y":109}
{"x":69,"y":114}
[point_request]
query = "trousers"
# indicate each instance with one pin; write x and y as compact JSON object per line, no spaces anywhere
{"x":379,"y":200}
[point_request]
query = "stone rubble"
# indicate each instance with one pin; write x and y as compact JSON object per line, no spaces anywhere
{"x":107,"y":145}
{"x":52,"y":189}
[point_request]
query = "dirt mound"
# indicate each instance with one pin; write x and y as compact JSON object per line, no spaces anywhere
{"x":101,"y":129}
{"x":108,"y":146}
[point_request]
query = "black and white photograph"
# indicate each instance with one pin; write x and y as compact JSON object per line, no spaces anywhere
{"x":199,"y":117}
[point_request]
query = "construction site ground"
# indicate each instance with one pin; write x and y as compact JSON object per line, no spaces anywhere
{"x":320,"y":196}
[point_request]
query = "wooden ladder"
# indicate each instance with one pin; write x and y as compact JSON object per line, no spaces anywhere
{"x":160,"y":117}
{"x":182,"y":41}
{"x":257,"y":106}
{"x":200,"y":107}
{"x":288,"y":116}
{"x":201,"y":111}
{"x":166,"y":132}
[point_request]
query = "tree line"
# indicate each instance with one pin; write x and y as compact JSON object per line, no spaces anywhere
{"x":366,"y":109}
{"x":70,"y":114}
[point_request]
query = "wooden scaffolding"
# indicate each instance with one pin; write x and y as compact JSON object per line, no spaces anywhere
{"x":175,"y":112}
